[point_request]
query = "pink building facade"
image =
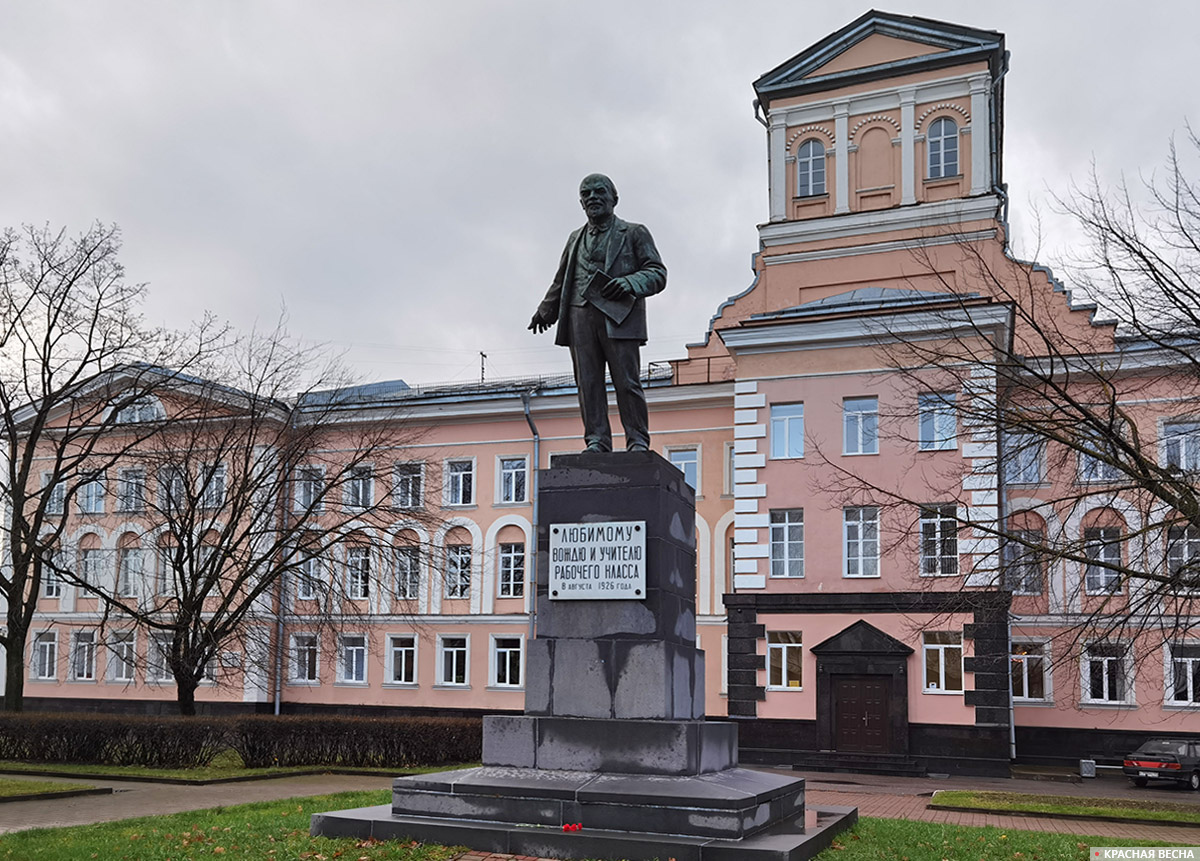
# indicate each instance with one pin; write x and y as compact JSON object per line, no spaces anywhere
{"x":850,"y":592}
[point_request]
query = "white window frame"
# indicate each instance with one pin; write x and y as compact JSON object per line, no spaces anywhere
{"x":512,"y":479}
{"x":810,"y":168}
{"x":1019,"y":663}
{"x":51,"y":580}
{"x":1020,"y":559}
{"x":212,"y":490}
{"x":499,"y":661}
{"x":131,"y":489}
{"x":729,"y":467}
{"x":938,"y":535}
{"x":510,"y":569}
{"x":352,"y":645}
{"x":442,"y":681}
{"x":145,"y":408}
{"x":358,"y":572}
{"x":937,"y":421}
{"x":358,"y":492}
{"x":860,"y":425}
{"x":308,"y":577}
{"x":131,"y":568}
{"x":121,"y":663}
{"x":945,"y":653}
{"x":89,"y":565}
{"x":459,"y":484}
{"x":309,"y":490}
{"x":91,"y":494}
{"x":1093,"y":470}
{"x":45,"y":656}
{"x":408,"y":485}
{"x":408,"y":644}
{"x":1191,"y":674}
{"x":941,"y":145}
{"x":686,"y":459}
{"x":858,"y":524}
{"x":1104,"y":544}
{"x":304,"y":654}
{"x":787,"y":550}
{"x":1183,"y":549}
{"x":172,"y":488}
{"x":457,"y":580}
{"x":407,"y":586}
{"x":1024,"y":459}
{"x":157,"y":671}
{"x":781,"y":647}
{"x":56,"y":496}
{"x":1123,"y":666}
{"x":787,"y":431}
{"x":86,"y":649}
{"x":1180,"y":444}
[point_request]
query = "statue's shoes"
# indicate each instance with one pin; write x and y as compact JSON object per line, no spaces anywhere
{"x":595,"y":448}
{"x":637,"y":446}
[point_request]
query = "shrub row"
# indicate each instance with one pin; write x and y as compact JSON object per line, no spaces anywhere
{"x":261,"y":740}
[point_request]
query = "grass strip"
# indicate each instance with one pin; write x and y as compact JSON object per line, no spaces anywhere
{"x":903,"y":840}
{"x":1134,"y":810}
{"x":205,"y":774}
{"x":13,"y":789}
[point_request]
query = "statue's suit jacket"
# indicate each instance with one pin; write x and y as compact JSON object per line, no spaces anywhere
{"x":631,"y":254}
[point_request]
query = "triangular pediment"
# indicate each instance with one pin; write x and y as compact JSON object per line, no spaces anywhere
{"x":876,"y":45}
{"x":861,"y":638}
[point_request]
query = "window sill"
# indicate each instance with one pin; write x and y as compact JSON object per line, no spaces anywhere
{"x":502,"y":504}
{"x":1026,"y":594}
{"x":860,"y":454}
{"x":1106,"y":705}
{"x":861,"y":576}
{"x":401,"y":686}
{"x":784,"y":689}
{"x":940,"y":693}
{"x":509,"y":597}
{"x":81,"y":681}
{"x":461,"y":506}
{"x":347,"y":683}
{"x":52,"y":680}
{"x":786,"y":576}
{"x":939,"y":575}
{"x":1181,"y":707}
{"x":443,"y":686}
{"x":786,"y":457}
{"x":508,"y":688}
{"x":810,"y":198}
{"x":943,"y":180}
{"x":933,"y":449}
{"x":408,"y":507}
{"x":1041,"y":704}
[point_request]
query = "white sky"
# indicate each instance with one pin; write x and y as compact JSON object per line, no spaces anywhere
{"x":402,"y":175}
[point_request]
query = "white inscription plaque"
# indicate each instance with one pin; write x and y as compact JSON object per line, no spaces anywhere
{"x":598,"y":561}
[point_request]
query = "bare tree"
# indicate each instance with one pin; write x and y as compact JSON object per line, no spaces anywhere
{"x":75,"y":358}
{"x":253,"y":497}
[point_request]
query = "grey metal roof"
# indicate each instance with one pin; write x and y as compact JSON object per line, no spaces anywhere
{"x":864,"y":299}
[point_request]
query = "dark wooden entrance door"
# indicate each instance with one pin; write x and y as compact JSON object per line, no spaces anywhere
{"x":860,"y":713}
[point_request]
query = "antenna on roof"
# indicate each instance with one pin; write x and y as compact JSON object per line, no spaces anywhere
{"x":482,"y":362}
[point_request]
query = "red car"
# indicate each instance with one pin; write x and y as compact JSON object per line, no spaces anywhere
{"x":1174,"y":759}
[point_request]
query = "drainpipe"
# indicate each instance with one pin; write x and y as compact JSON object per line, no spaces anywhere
{"x":537,"y":448}
{"x":281,"y":607}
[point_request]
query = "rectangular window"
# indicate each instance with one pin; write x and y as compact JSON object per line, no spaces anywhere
{"x":172,"y":489}
{"x":1025,"y":562}
{"x":56,"y":498}
{"x":687,"y":461}
{"x":506,"y":658}
{"x":129,"y":572}
{"x":452,"y":661}
{"x":409,"y":489}
{"x":212,"y":490}
{"x":458,"y":570}
{"x":359,"y":491}
{"x":408,"y":573}
{"x":460,"y":482}
{"x":308,"y":577}
{"x":1028,"y":670}
{"x":83,"y":656}
{"x":91,"y":495}
{"x":784,"y":659}
{"x":1183,"y":556}
{"x":1184,"y":685}
{"x":860,"y":426}
{"x":939,"y":541}
{"x":122,"y":657}
{"x":353,"y":663}
{"x":304,"y":658}
{"x":164,"y":578}
{"x":937,"y":422}
{"x":861,"y":541}
{"x":514,"y":475}
{"x":51,"y":579}
{"x":1023,"y":457}
{"x":45,"y":655}
{"x":1102,"y":546}
{"x":157,"y":669}
{"x":402,"y":658}
{"x":1181,"y":445}
{"x":131,"y":490}
{"x":943,"y":653}
{"x":1097,"y":467}
{"x":89,"y":565}
{"x":1104,"y":673}
{"x":512,"y":570}
{"x":310,"y":489}
{"x":358,"y":573}
{"x":787,"y":542}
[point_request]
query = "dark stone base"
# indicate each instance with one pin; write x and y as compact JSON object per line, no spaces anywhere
{"x":796,"y":840}
{"x":675,"y":747}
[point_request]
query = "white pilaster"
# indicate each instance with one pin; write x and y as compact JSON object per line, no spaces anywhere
{"x":841,"y":148}
{"x":777,"y":165}
{"x":981,"y":162}
{"x":908,"y":147}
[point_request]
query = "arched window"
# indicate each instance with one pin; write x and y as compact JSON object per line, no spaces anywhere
{"x":942,"y":142}
{"x":810,"y":169}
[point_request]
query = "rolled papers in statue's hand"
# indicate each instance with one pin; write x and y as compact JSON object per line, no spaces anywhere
{"x":614,"y":309}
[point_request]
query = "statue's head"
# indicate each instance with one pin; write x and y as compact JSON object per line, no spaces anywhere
{"x":597,"y":196}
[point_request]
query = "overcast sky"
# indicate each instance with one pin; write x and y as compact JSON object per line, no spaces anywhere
{"x":401,"y":176}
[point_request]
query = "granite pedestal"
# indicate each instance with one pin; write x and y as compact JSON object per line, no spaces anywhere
{"x":613,"y":736}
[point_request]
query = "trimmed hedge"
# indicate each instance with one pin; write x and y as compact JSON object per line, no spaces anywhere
{"x":265,"y":740}
{"x":261,"y":740}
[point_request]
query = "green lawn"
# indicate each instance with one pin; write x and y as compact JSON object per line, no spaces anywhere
{"x":1119,"y":808}
{"x":279,"y":830}
{"x":12,"y":786}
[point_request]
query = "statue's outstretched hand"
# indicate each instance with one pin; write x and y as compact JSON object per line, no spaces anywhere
{"x":537,"y":325}
{"x":615,"y":289}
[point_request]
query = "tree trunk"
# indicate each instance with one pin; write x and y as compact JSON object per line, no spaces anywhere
{"x":14,"y":675}
{"x":186,"y":696}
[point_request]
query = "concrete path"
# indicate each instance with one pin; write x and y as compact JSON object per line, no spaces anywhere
{"x":886,"y":797}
